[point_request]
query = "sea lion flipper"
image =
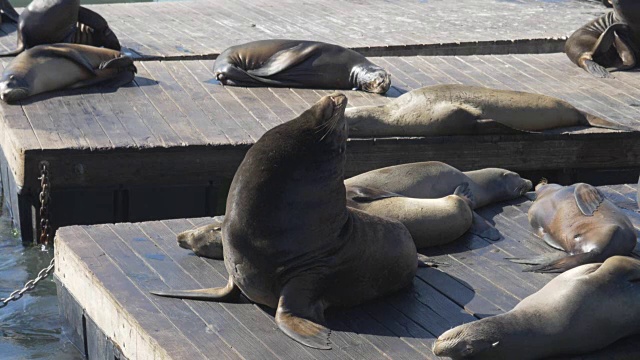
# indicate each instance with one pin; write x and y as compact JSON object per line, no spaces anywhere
{"x":119,"y":62}
{"x":588,"y":198}
{"x":549,"y":240}
{"x":229,"y":293}
{"x":596,"y":69}
{"x":481,"y":227}
{"x":493,"y":127}
{"x":8,"y":11}
{"x":284,"y":59}
{"x":366,"y":194}
{"x":564,"y":264}
{"x":72,"y":55}
{"x":300,"y":312}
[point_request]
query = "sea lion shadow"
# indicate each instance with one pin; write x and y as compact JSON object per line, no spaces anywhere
{"x":395,"y":92}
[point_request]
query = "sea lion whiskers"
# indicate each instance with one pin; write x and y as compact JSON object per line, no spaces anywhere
{"x":339,"y":101}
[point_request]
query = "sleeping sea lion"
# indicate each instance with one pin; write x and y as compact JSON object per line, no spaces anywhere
{"x":61,"y":21}
{"x":63,"y":66}
{"x":464,"y":110}
{"x":291,"y":242}
{"x":608,"y":43}
{"x":297,"y":63}
{"x":583,"y":310}
{"x":577,"y":219}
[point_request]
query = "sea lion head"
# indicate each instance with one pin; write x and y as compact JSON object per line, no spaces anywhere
{"x":504,"y":184}
{"x":13,"y":87}
{"x":374,"y":79}
{"x":326,"y":118}
{"x":468,"y":341}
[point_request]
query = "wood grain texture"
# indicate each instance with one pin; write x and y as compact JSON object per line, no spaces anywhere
{"x":109,"y":269}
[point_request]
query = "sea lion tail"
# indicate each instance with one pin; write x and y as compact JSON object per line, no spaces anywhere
{"x":595,"y":121}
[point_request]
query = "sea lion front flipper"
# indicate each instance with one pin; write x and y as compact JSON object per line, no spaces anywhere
{"x":118,"y":63}
{"x":564,"y":264}
{"x":72,"y":55}
{"x":229,"y":293}
{"x":551,"y":241}
{"x":492,"y":127}
{"x":363,"y":194}
{"x":300,"y":312}
{"x":588,"y":198}
{"x":8,"y":11}
{"x":596,"y":69}
{"x":284,"y":59}
{"x":102,"y":36}
{"x":481,"y":227}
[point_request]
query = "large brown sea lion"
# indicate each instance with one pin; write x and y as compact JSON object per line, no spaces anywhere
{"x":63,"y":66}
{"x":61,"y":21}
{"x":610,"y":42}
{"x":464,"y":110}
{"x":291,"y":242}
{"x":583,"y":310}
{"x":577,"y":219}
{"x":297,"y":63}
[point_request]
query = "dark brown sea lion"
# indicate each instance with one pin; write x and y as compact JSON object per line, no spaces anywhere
{"x":63,"y":66}
{"x":291,"y":242}
{"x":442,"y":110}
{"x":608,"y":43}
{"x":583,"y":310}
{"x":297,"y":63}
{"x":61,"y":21}
{"x":577,"y":219}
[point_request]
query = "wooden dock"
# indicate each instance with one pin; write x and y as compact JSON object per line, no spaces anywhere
{"x":105,"y":273}
{"x":203,"y":29}
{"x":176,"y":137}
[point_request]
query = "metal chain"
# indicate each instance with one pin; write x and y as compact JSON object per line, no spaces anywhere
{"x":28,"y":286}
{"x":45,"y":235}
{"x":45,"y":188}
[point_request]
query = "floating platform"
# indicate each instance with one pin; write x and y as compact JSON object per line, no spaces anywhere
{"x":203,"y":29}
{"x":105,"y":273}
{"x":168,"y":145}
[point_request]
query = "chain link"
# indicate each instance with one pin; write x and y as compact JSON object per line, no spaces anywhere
{"x":45,"y":236}
{"x":29,"y":285}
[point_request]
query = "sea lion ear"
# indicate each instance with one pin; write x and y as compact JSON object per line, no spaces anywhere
{"x":588,"y":198}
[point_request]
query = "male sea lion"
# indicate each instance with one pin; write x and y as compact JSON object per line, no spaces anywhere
{"x":291,"y":242}
{"x":433,"y":180}
{"x":61,"y":21}
{"x":297,"y":63}
{"x":462,"y":110}
{"x":63,"y":66}
{"x":608,"y":43}
{"x":431,"y":222}
{"x":577,"y":219}
{"x":582,"y":310}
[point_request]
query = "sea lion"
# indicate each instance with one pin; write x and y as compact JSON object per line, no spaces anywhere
{"x":442,"y":110}
{"x":577,"y":219}
{"x":582,"y":310}
{"x":431,"y":222}
{"x":61,"y":21}
{"x":291,"y":242}
{"x":608,"y":43}
{"x":205,"y":241}
{"x":63,"y":66}
{"x":433,"y":180}
{"x":298,"y":63}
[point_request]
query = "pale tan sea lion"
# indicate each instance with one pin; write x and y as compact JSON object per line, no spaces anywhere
{"x":46,"y":68}
{"x":582,"y":310}
{"x":291,"y":243}
{"x":579,"y":220}
{"x":465,"y":110}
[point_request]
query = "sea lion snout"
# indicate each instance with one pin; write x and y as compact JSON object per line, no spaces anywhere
{"x":458,"y":344}
{"x":13,"y":89}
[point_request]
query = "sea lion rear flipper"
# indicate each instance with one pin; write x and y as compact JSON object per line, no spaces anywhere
{"x":229,"y":293}
{"x":366,"y":194}
{"x":595,"y":121}
{"x":564,"y":264}
{"x":119,"y":62}
{"x":596,"y":69}
{"x":588,"y":198}
{"x":284,"y":59}
{"x":8,"y":11}
{"x":481,"y":227}
{"x":300,"y":312}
